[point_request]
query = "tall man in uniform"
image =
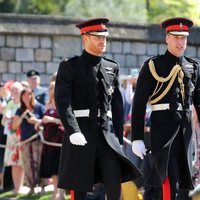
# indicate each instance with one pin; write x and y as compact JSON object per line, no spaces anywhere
{"x":171,"y":84}
{"x":90,"y":106}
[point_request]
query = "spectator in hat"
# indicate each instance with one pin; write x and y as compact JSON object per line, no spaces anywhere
{"x":41,"y":93}
{"x":86,"y":95}
{"x":171,"y":84}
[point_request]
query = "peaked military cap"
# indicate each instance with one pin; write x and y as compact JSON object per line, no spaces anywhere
{"x":32,"y":73}
{"x":96,"y":26}
{"x":177,"y":26}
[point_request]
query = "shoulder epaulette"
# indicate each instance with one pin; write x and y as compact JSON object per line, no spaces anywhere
{"x":155,"y":57}
{"x":70,"y":59}
{"x":109,"y":60}
{"x":191,"y":60}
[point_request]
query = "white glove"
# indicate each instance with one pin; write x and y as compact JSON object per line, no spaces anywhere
{"x":138,"y":148}
{"x":77,"y":139}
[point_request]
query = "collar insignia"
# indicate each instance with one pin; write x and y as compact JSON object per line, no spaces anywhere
{"x":109,"y":72}
{"x":108,"y":68}
{"x":190,"y":68}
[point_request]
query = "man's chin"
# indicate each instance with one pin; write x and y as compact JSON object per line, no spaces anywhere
{"x":103,"y":49}
{"x":179,"y":53}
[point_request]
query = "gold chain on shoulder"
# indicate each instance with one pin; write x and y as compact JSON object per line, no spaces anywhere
{"x":176,"y":70}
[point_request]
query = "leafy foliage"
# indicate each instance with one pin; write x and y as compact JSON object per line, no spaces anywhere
{"x":160,"y":10}
{"x":116,"y":10}
{"x":7,"y":6}
{"x":132,"y":11}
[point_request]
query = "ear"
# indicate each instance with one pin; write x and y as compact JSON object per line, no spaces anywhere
{"x":85,"y":37}
{"x":167,"y":38}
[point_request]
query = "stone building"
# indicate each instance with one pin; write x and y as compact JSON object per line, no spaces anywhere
{"x":41,"y":42}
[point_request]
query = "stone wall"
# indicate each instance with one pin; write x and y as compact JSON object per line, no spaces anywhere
{"x":41,"y":42}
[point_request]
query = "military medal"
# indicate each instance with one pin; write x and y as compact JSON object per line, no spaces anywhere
{"x":110,"y":90}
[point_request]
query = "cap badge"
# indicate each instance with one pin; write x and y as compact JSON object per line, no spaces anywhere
{"x":181,"y":25}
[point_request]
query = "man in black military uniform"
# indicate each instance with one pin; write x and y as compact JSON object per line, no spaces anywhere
{"x":170,"y":83}
{"x":90,"y":106}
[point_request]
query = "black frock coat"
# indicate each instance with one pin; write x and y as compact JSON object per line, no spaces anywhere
{"x":168,"y":127}
{"x":89,"y":82}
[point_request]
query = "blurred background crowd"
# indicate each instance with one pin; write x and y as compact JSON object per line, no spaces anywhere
{"x":25,"y":109}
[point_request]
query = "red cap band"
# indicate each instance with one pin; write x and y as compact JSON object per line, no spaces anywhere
{"x":98,"y":27}
{"x":179,"y":27}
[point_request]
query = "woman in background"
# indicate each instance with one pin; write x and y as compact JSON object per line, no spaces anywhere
{"x":13,"y":154}
{"x":29,"y":113}
{"x":53,"y":132}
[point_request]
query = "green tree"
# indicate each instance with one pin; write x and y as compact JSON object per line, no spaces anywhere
{"x":131,"y":11}
{"x":46,"y":7}
{"x":33,"y":6}
{"x":159,"y":10}
{"x":7,"y":6}
{"x":116,"y":10}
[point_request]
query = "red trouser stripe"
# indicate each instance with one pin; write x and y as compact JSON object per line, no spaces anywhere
{"x":166,"y":189}
{"x":72,"y":194}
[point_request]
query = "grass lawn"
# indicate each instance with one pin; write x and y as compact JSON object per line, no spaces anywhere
{"x":46,"y":196}
{"x":9,"y":195}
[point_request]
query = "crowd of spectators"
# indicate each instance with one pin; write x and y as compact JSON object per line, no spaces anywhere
{"x":27,"y":109}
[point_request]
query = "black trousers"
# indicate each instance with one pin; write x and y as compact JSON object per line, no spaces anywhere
{"x":108,"y":164}
{"x":176,"y":170}
{"x":152,"y":193}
